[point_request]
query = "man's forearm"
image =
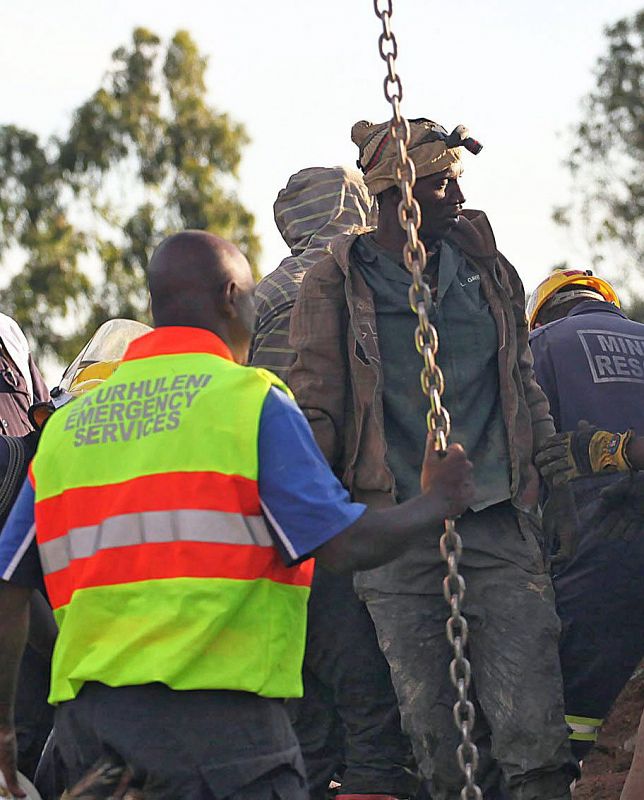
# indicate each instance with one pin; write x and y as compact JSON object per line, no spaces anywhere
{"x":379,"y":536}
{"x":14,"y":630}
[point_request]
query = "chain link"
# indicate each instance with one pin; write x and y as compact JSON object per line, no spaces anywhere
{"x":433,"y":384}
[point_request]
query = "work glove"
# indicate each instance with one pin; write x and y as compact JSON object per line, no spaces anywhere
{"x":621,"y":511}
{"x":586,"y":451}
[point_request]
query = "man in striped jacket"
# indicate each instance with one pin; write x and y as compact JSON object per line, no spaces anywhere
{"x":348,"y":722}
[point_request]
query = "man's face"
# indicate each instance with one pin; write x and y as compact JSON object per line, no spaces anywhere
{"x":441,"y":202}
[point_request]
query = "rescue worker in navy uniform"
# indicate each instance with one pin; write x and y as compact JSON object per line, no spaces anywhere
{"x":589,"y":361}
{"x":348,"y":721}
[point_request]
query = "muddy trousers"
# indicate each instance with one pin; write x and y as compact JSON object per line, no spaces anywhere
{"x":520,"y":731}
{"x":348,"y":720}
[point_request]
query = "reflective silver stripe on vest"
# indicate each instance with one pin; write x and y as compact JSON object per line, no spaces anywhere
{"x":153,"y":527}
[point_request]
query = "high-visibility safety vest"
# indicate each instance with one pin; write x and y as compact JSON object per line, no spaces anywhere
{"x":157,"y":560}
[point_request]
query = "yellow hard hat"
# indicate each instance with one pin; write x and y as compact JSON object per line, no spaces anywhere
{"x":94,"y":364}
{"x":561,"y":278}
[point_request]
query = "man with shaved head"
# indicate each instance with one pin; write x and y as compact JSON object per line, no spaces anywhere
{"x":175,"y":539}
{"x":198,"y":280}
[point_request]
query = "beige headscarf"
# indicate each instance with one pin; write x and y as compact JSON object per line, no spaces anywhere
{"x":430,"y":146}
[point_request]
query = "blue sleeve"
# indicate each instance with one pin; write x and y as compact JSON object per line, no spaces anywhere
{"x":19,"y":561}
{"x":544,"y":372}
{"x":304,"y":503}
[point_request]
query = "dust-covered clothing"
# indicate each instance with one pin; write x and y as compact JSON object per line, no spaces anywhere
{"x":339,"y":381}
{"x":513,"y":632}
{"x":337,"y":377}
{"x":316,"y":205}
{"x":469,"y":352}
{"x":468,"y":357}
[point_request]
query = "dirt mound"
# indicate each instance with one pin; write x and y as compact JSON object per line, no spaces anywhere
{"x":606,"y":768}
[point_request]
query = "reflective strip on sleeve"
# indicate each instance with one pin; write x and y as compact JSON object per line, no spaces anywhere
{"x":583,"y":729}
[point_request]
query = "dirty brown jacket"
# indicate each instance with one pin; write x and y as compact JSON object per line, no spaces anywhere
{"x":337,"y":377}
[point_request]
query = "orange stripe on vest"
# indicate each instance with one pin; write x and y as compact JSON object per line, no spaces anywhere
{"x":173,"y":560}
{"x":171,"y":491}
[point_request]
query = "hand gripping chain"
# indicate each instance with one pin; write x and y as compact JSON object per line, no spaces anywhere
{"x":433,"y":384}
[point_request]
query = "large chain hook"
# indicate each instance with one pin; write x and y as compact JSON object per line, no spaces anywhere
{"x":433,"y":384}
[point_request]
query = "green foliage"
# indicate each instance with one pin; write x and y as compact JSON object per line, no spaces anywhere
{"x":144,"y":156}
{"x":607,"y":158}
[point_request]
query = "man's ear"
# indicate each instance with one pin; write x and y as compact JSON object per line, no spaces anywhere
{"x":229,"y":297}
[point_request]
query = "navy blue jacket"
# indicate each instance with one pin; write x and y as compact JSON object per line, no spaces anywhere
{"x":590,"y":365}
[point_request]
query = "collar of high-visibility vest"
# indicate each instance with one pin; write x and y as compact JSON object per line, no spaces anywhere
{"x":174,"y":340}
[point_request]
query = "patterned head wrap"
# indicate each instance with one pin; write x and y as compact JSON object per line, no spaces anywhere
{"x":430,"y":146}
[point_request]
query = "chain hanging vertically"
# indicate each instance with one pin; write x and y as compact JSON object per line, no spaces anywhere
{"x":432,"y":382}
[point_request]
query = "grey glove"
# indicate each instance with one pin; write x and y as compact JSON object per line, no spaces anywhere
{"x":621,"y":512}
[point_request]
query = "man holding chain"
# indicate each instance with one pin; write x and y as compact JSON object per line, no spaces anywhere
{"x":356,"y":378}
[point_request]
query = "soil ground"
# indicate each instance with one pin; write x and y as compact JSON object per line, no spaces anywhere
{"x":606,"y":768}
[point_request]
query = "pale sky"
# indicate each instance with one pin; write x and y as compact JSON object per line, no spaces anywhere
{"x":298,"y":74}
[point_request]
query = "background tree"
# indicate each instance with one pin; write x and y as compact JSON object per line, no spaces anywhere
{"x":145,"y":155}
{"x":607,"y":158}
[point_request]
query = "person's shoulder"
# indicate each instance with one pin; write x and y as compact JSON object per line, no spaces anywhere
{"x":557,"y":328}
{"x":328,"y":272}
{"x":279,"y":402}
{"x":341,"y":245}
{"x":333,"y":267}
{"x":538,"y":333}
{"x":550,"y":327}
{"x":281,"y":286}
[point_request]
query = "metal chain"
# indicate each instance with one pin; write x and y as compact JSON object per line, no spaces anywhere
{"x":433,"y":384}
